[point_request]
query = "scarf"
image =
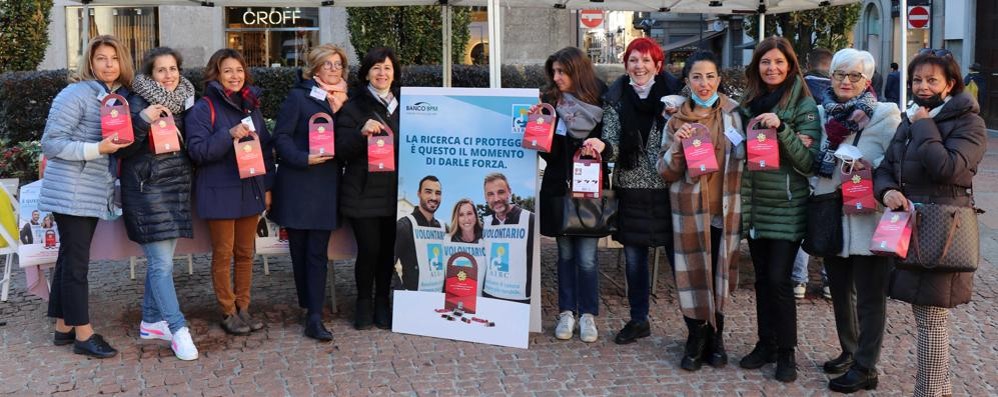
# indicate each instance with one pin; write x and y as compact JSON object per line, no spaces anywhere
{"x":637,"y":117}
{"x":336,"y":94}
{"x":765,"y":103}
{"x":642,"y":90}
{"x":243,"y":99}
{"x":386,"y":97}
{"x":155,"y":94}
{"x":846,"y":118}
{"x":580,"y":118}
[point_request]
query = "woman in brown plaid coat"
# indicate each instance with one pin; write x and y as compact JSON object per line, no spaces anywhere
{"x":706,"y":210}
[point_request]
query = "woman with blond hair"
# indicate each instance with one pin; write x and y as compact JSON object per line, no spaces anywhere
{"x":465,"y":225}
{"x":78,"y":186}
{"x":306,"y":188}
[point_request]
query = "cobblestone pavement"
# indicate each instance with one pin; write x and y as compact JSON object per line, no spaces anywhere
{"x":280,"y":361}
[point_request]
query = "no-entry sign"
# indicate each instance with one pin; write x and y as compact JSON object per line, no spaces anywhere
{"x":591,"y":18}
{"x":918,"y":17}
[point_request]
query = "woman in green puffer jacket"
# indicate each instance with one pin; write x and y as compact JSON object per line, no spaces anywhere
{"x":774,"y":202}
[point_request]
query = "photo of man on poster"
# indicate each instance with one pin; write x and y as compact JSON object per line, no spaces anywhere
{"x":419,"y":239}
{"x":27,"y":233}
{"x":508,"y":232}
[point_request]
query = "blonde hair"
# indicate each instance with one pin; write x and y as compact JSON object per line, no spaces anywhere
{"x":125,"y":66}
{"x":317,"y":56}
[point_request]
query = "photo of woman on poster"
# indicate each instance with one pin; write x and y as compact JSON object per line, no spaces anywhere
{"x":465,"y":225}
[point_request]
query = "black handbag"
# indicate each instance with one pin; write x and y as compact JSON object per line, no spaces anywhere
{"x":823,"y":236}
{"x":589,"y":217}
{"x":944,"y":238}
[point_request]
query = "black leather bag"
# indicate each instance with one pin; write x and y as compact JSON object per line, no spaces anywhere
{"x":944,"y":238}
{"x":823,"y":236}
{"x":589,"y":217}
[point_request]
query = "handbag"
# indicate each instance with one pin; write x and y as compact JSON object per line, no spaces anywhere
{"x":588,"y":217}
{"x":823,"y":236}
{"x":944,"y":238}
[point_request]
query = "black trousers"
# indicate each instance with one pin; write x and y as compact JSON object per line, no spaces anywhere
{"x":859,"y":300}
{"x":70,"y":289}
{"x":309,"y":261}
{"x":776,"y":309}
{"x":375,"y":254}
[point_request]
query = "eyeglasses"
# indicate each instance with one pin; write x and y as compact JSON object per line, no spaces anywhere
{"x":854,"y":77}
{"x":332,"y":66}
{"x":940,"y":52}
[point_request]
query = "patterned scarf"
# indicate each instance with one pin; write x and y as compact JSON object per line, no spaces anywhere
{"x":155,"y":94}
{"x":244,"y":98}
{"x":579,"y":117}
{"x":336,"y":94}
{"x":849,"y":117}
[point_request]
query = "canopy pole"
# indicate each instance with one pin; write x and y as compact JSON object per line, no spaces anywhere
{"x":903,"y":90}
{"x":762,"y":27}
{"x":495,"y":44}
{"x":85,"y":34}
{"x":446,"y":59}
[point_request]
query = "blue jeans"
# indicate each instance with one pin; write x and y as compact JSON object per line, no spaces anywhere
{"x":638,"y":284}
{"x":159,"y":302}
{"x":799,"y":275}
{"x":578,"y":279}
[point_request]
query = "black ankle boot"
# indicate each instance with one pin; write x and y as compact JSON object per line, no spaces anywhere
{"x":786,"y":365}
{"x":858,"y":378}
{"x":762,"y":354}
{"x":696,"y":344}
{"x":363,"y":315}
{"x":382,"y":313}
{"x":716,"y":355}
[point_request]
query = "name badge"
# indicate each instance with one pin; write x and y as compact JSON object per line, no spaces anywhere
{"x":100,"y":97}
{"x":248,"y":122}
{"x":734,"y":136}
{"x":392,"y":106}
{"x":318,"y":93}
{"x":189,"y":103}
{"x":560,"y":129}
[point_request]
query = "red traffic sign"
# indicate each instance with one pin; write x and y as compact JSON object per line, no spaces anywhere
{"x":918,"y":17}
{"x":591,"y":18}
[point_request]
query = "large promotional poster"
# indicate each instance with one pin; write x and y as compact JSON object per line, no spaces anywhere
{"x":39,"y":233}
{"x":467,"y":248}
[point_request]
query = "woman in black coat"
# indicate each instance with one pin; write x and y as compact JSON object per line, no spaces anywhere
{"x":368,"y":199}
{"x":575,"y":92}
{"x":156,"y":194}
{"x":305,"y":189}
{"x":933,"y":159}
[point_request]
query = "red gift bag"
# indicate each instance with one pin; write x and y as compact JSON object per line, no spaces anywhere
{"x":249,"y":157}
{"x":893,"y":233}
{"x":320,"y":135}
{"x":381,"y":151}
{"x":116,"y":119}
{"x":587,"y":175}
{"x":763,"y":148}
{"x":461,"y":283}
{"x":857,"y":190}
{"x":699,"y":152}
{"x":540,"y":129}
{"x":164,"y":137}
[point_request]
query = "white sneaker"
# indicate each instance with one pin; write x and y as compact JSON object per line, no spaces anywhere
{"x":799,"y":290}
{"x":566,"y":325}
{"x":587,"y":328}
{"x":160,"y":330}
{"x":826,"y":292}
{"x":183,"y":345}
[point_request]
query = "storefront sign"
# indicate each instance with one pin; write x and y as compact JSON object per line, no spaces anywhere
{"x":272,"y":17}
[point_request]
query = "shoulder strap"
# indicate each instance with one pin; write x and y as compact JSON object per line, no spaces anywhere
{"x":211,"y":108}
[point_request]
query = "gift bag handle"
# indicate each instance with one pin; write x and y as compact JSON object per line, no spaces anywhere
{"x":165,"y":110}
{"x":541,"y":107}
{"x":251,"y":135}
{"x":108,"y":97}
{"x":319,"y":115}
{"x":578,"y":156}
{"x":385,"y":128}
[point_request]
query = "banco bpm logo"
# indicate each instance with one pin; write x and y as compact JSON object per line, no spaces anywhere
{"x":422,"y":108}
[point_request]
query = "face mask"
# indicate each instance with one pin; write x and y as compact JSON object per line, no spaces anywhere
{"x":708,"y":103}
{"x":849,"y":155}
{"x":931,"y":102}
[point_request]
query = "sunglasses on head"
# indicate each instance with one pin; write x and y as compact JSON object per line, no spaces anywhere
{"x":939,"y":52}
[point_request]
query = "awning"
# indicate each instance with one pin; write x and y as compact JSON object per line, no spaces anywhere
{"x":692,"y":40}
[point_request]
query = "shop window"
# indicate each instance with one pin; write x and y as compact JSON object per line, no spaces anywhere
{"x":136,"y":27}
{"x":272,"y":36}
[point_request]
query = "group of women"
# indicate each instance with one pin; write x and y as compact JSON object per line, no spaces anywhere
{"x":638,"y":123}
